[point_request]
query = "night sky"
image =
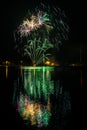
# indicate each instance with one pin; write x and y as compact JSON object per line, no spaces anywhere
{"x":12,"y":13}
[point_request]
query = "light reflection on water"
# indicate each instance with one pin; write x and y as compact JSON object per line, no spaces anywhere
{"x":62,"y":107}
{"x":39,"y":99}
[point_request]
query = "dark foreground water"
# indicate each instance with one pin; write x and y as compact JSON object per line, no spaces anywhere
{"x":43,"y":98}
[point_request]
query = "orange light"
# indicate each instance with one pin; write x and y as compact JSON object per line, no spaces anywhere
{"x":47,"y":62}
{"x":52,"y":64}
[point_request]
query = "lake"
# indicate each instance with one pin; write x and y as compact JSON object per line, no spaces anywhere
{"x":40,"y":98}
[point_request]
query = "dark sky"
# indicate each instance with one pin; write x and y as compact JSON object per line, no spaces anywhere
{"x":13,"y":12}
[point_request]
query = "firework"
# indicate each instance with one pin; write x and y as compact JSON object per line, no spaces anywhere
{"x":51,"y":17}
{"x":33,"y":23}
{"x":44,"y":23}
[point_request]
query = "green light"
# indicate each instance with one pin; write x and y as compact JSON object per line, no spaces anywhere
{"x":37,"y":88}
{"x":37,"y":81}
{"x":39,"y":68}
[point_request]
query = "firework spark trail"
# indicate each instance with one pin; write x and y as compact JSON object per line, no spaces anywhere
{"x":45,"y":23}
{"x":34,"y":23}
{"x":37,"y":51}
{"x":51,"y":17}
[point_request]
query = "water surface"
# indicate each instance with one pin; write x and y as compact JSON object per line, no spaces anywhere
{"x":43,"y":97}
